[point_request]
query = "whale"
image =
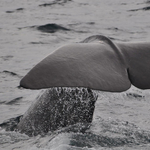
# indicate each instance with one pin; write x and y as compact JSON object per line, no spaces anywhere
{"x":72,"y":73}
{"x":97,"y":63}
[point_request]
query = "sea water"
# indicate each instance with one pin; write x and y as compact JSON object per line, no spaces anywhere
{"x":30,"y":30}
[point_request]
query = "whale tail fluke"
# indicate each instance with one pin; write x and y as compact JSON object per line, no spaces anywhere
{"x":95,"y":63}
{"x":97,"y":66}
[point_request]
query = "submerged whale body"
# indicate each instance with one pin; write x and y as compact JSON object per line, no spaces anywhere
{"x":95,"y":63}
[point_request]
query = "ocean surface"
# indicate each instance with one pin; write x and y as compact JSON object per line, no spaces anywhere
{"x":30,"y":30}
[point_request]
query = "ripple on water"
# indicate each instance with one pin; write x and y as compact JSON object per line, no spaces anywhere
{"x":51,"y":28}
{"x":55,"y":2}
{"x":139,"y":9}
{"x":16,"y":10}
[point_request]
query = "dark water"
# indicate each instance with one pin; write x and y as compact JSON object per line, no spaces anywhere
{"x":30,"y":30}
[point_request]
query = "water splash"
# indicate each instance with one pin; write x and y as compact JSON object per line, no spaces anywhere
{"x":57,"y":108}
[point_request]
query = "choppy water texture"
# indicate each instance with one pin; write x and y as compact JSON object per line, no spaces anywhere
{"x":30,"y":30}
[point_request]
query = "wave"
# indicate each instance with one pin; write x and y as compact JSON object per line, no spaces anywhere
{"x":13,"y":101}
{"x":51,"y":28}
{"x":5,"y":58}
{"x":16,"y":10}
{"x":11,"y":73}
{"x":100,"y":133}
{"x":11,"y":124}
{"x":144,"y":9}
{"x":59,"y":2}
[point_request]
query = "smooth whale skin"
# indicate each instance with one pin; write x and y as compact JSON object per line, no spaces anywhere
{"x":57,"y":108}
{"x":96,"y":63}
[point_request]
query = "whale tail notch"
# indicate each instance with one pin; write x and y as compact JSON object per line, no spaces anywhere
{"x":138,"y":63}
